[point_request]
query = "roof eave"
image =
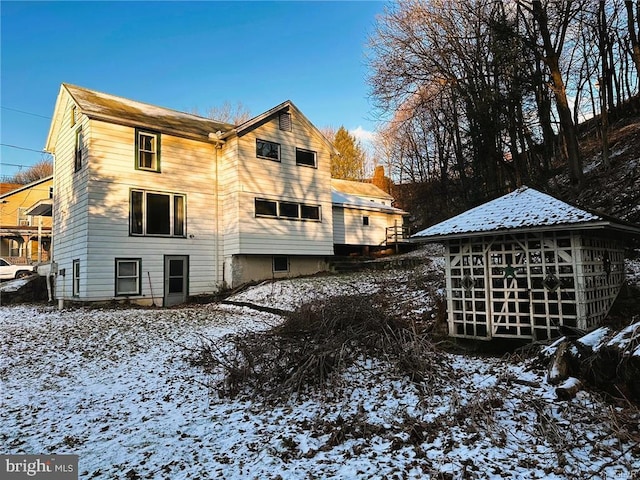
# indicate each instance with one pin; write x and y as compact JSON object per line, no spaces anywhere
{"x":372,"y":208}
{"x":128,"y":123}
{"x":27,"y":186}
{"x":597,"y":225}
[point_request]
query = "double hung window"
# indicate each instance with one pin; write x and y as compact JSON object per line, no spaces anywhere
{"x":127,"y":276}
{"x":147,"y":150}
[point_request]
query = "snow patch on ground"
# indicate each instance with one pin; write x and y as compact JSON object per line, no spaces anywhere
{"x":115,"y":388}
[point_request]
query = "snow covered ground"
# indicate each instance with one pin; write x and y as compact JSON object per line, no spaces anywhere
{"x":114,"y":387}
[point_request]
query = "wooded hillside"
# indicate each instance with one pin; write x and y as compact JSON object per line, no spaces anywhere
{"x":478,"y":97}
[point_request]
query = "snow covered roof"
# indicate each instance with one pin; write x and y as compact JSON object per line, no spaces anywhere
{"x":110,"y":107}
{"x":360,"y":195}
{"x":522,"y":209}
{"x":361,"y":189}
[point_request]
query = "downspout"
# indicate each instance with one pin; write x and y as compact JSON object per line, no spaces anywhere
{"x":216,"y":211}
{"x":53,"y":266}
{"x":216,"y":138}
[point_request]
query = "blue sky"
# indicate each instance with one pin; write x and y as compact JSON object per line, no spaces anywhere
{"x":183,"y":55}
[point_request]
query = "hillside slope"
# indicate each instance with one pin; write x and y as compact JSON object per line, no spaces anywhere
{"x":613,"y":191}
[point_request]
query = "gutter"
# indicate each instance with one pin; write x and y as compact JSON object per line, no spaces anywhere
{"x":600,"y":225}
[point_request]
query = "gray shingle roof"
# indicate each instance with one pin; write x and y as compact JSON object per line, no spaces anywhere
{"x":524,"y":208}
{"x":105,"y":106}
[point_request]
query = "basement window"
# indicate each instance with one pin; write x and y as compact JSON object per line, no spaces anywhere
{"x":280,"y":264}
{"x":127,"y":276}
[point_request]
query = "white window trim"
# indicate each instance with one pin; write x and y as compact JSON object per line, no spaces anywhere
{"x":155,"y":151}
{"x":75,"y":278}
{"x":306,"y":150}
{"x":137,"y":262}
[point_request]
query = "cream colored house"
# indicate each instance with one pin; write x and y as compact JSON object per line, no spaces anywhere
{"x":26,"y":238}
{"x":155,"y":205}
{"x":364,"y":218}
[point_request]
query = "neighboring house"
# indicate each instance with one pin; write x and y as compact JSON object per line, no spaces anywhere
{"x":24,"y":237}
{"x":526,"y":264}
{"x":364,"y":219}
{"x":155,"y":205}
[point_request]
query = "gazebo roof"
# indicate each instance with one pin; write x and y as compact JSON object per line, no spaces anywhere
{"x":524,"y":209}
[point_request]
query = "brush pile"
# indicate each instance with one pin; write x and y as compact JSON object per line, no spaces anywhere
{"x":316,"y":343}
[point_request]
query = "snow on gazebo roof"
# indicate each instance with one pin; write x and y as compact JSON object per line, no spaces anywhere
{"x":523,"y":209}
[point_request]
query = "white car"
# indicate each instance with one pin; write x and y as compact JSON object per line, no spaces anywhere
{"x":9,"y":271}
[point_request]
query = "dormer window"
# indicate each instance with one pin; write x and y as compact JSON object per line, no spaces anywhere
{"x":147,"y":150}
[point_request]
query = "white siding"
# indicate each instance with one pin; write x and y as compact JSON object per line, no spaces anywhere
{"x":188,"y":168}
{"x":92,"y":209}
{"x":284,"y":180}
{"x":348,"y":228}
{"x":71,"y":199}
{"x":92,"y":206}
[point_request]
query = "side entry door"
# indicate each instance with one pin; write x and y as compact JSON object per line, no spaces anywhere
{"x":176,"y":279}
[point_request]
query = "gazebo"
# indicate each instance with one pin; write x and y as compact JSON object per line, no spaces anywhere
{"x":524,"y":264}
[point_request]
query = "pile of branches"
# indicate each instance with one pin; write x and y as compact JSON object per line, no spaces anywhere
{"x":316,"y":343}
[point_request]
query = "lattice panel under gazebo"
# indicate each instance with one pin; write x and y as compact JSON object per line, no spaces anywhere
{"x":526,"y":285}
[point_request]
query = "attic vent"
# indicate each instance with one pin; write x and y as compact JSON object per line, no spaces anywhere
{"x":285,"y":121}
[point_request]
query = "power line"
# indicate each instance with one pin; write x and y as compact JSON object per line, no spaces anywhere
{"x":22,"y":148}
{"x":26,"y":113}
{"x":13,"y":165}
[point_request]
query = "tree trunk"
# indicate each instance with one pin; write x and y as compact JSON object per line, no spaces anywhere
{"x":569,"y":130}
{"x":633,"y":36}
{"x":604,"y":84}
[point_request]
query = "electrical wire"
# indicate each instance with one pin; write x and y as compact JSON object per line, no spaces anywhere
{"x":26,"y":113}
{"x":22,"y":148}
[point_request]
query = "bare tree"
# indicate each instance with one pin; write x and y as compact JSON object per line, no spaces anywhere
{"x":484,"y":95}
{"x":553,"y":42}
{"x":41,"y":169}
{"x":633,"y":27}
{"x":227,"y":113}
